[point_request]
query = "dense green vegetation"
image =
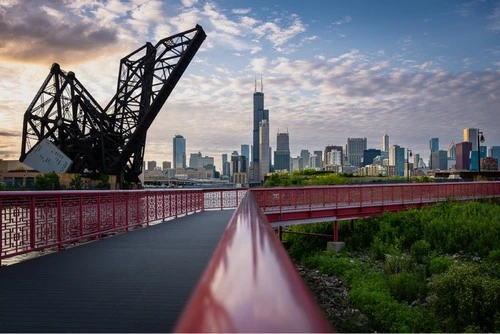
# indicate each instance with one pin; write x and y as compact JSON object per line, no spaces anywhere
{"x":312,"y":177}
{"x":435,"y":269}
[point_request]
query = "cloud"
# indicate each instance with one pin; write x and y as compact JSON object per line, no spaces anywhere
{"x":279,"y":36}
{"x":220,"y":21}
{"x":494,"y":18}
{"x":258,"y":65}
{"x":9,"y":134}
{"x":241,"y":11}
{"x":33,"y":32}
{"x":344,"y":20}
{"x":189,"y":3}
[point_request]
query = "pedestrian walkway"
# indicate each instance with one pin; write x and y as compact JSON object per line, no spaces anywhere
{"x":132,"y":282}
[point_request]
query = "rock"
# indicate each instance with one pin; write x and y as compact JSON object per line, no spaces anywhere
{"x":331,"y":295}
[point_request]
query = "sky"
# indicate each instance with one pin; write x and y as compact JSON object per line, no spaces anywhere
{"x":330,"y":69}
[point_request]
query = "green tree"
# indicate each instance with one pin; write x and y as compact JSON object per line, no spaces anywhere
{"x":103,"y":183}
{"x":76,"y":183}
{"x":49,"y":181}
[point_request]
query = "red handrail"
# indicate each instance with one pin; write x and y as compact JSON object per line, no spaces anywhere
{"x":250,"y":284}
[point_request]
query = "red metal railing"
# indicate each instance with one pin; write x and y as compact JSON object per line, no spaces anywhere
{"x":282,"y":204}
{"x":250,"y":284}
{"x":35,"y":220}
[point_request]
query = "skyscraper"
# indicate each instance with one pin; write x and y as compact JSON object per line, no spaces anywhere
{"x":439,"y":160}
{"x":452,"y":151}
{"x":282,"y":153}
{"x":245,"y":151}
{"x":304,"y":154}
{"x":369,"y":155}
{"x":463,"y":155}
{"x":264,"y":150}
{"x":355,"y":149}
{"x":179,"y":144}
{"x":385,"y":143}
{"x":397,"y":159}
{"x":259,"y":114}
{"x":471,"y":135}
{"x":494,"y":152}
{"x":433,"y":147}
{"x":225,"y":169}
{"x":319,"y":158}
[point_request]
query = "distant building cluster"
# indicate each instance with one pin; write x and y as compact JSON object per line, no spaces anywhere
{"x":256,"y":161}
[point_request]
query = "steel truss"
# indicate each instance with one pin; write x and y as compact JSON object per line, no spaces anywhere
{"x":109,"y":140}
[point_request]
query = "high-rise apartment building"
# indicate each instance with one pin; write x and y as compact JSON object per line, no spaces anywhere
{"x":259,"y":114}
{"x":179,"y":145}
{"x":464,"y":150}
{"x":264,"y":150}
{"x":282,"y":153}
{"x":385,"y":143}
{"x":328,"y":157}
{"x":335,"y":158}
{"x":355,"y":149}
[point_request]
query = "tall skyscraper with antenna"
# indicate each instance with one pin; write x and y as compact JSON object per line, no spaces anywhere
{"x":385,"y":143}
{"x":259,"y":114}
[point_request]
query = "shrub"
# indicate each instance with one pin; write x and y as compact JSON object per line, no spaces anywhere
{"x":407,"y":286}
{"x":439,"y":265}
{"x":464,"y":297}
{"x":300,"y":245}
{"x":49,"y":181}
{"x":421,"y":252}
{"x":372,"y":296}
{"x":395,"y":264}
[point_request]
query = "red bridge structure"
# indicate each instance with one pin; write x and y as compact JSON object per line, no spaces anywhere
{"x":248,"y":285}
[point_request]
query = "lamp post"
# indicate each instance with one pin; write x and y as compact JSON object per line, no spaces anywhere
{"x":408,"y":156}
{"x":480,"y":139}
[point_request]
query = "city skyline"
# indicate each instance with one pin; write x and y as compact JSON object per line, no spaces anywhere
{"x":414,"y":70}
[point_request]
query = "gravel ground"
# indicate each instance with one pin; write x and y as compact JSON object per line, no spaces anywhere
{"x":331,"y":294}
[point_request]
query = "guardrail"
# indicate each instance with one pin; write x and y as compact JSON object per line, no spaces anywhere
{"x":250,"y":284}
{"x":35,"y":220}
{"x":293,"y":203}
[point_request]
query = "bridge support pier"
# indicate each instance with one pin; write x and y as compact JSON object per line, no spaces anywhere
{"x":335,"y":246}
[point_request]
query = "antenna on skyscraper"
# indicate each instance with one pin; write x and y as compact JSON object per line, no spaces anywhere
{"x":255,"y":84}
{"x":261,"y":84}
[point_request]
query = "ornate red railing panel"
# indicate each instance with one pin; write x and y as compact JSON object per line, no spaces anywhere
{"x":34,"y":220}
{"x":250,"y":284}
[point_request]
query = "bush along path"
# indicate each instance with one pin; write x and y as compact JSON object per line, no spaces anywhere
{"x":435,"y":269}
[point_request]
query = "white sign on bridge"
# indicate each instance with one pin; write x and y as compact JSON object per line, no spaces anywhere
{"x":45,"y":157}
